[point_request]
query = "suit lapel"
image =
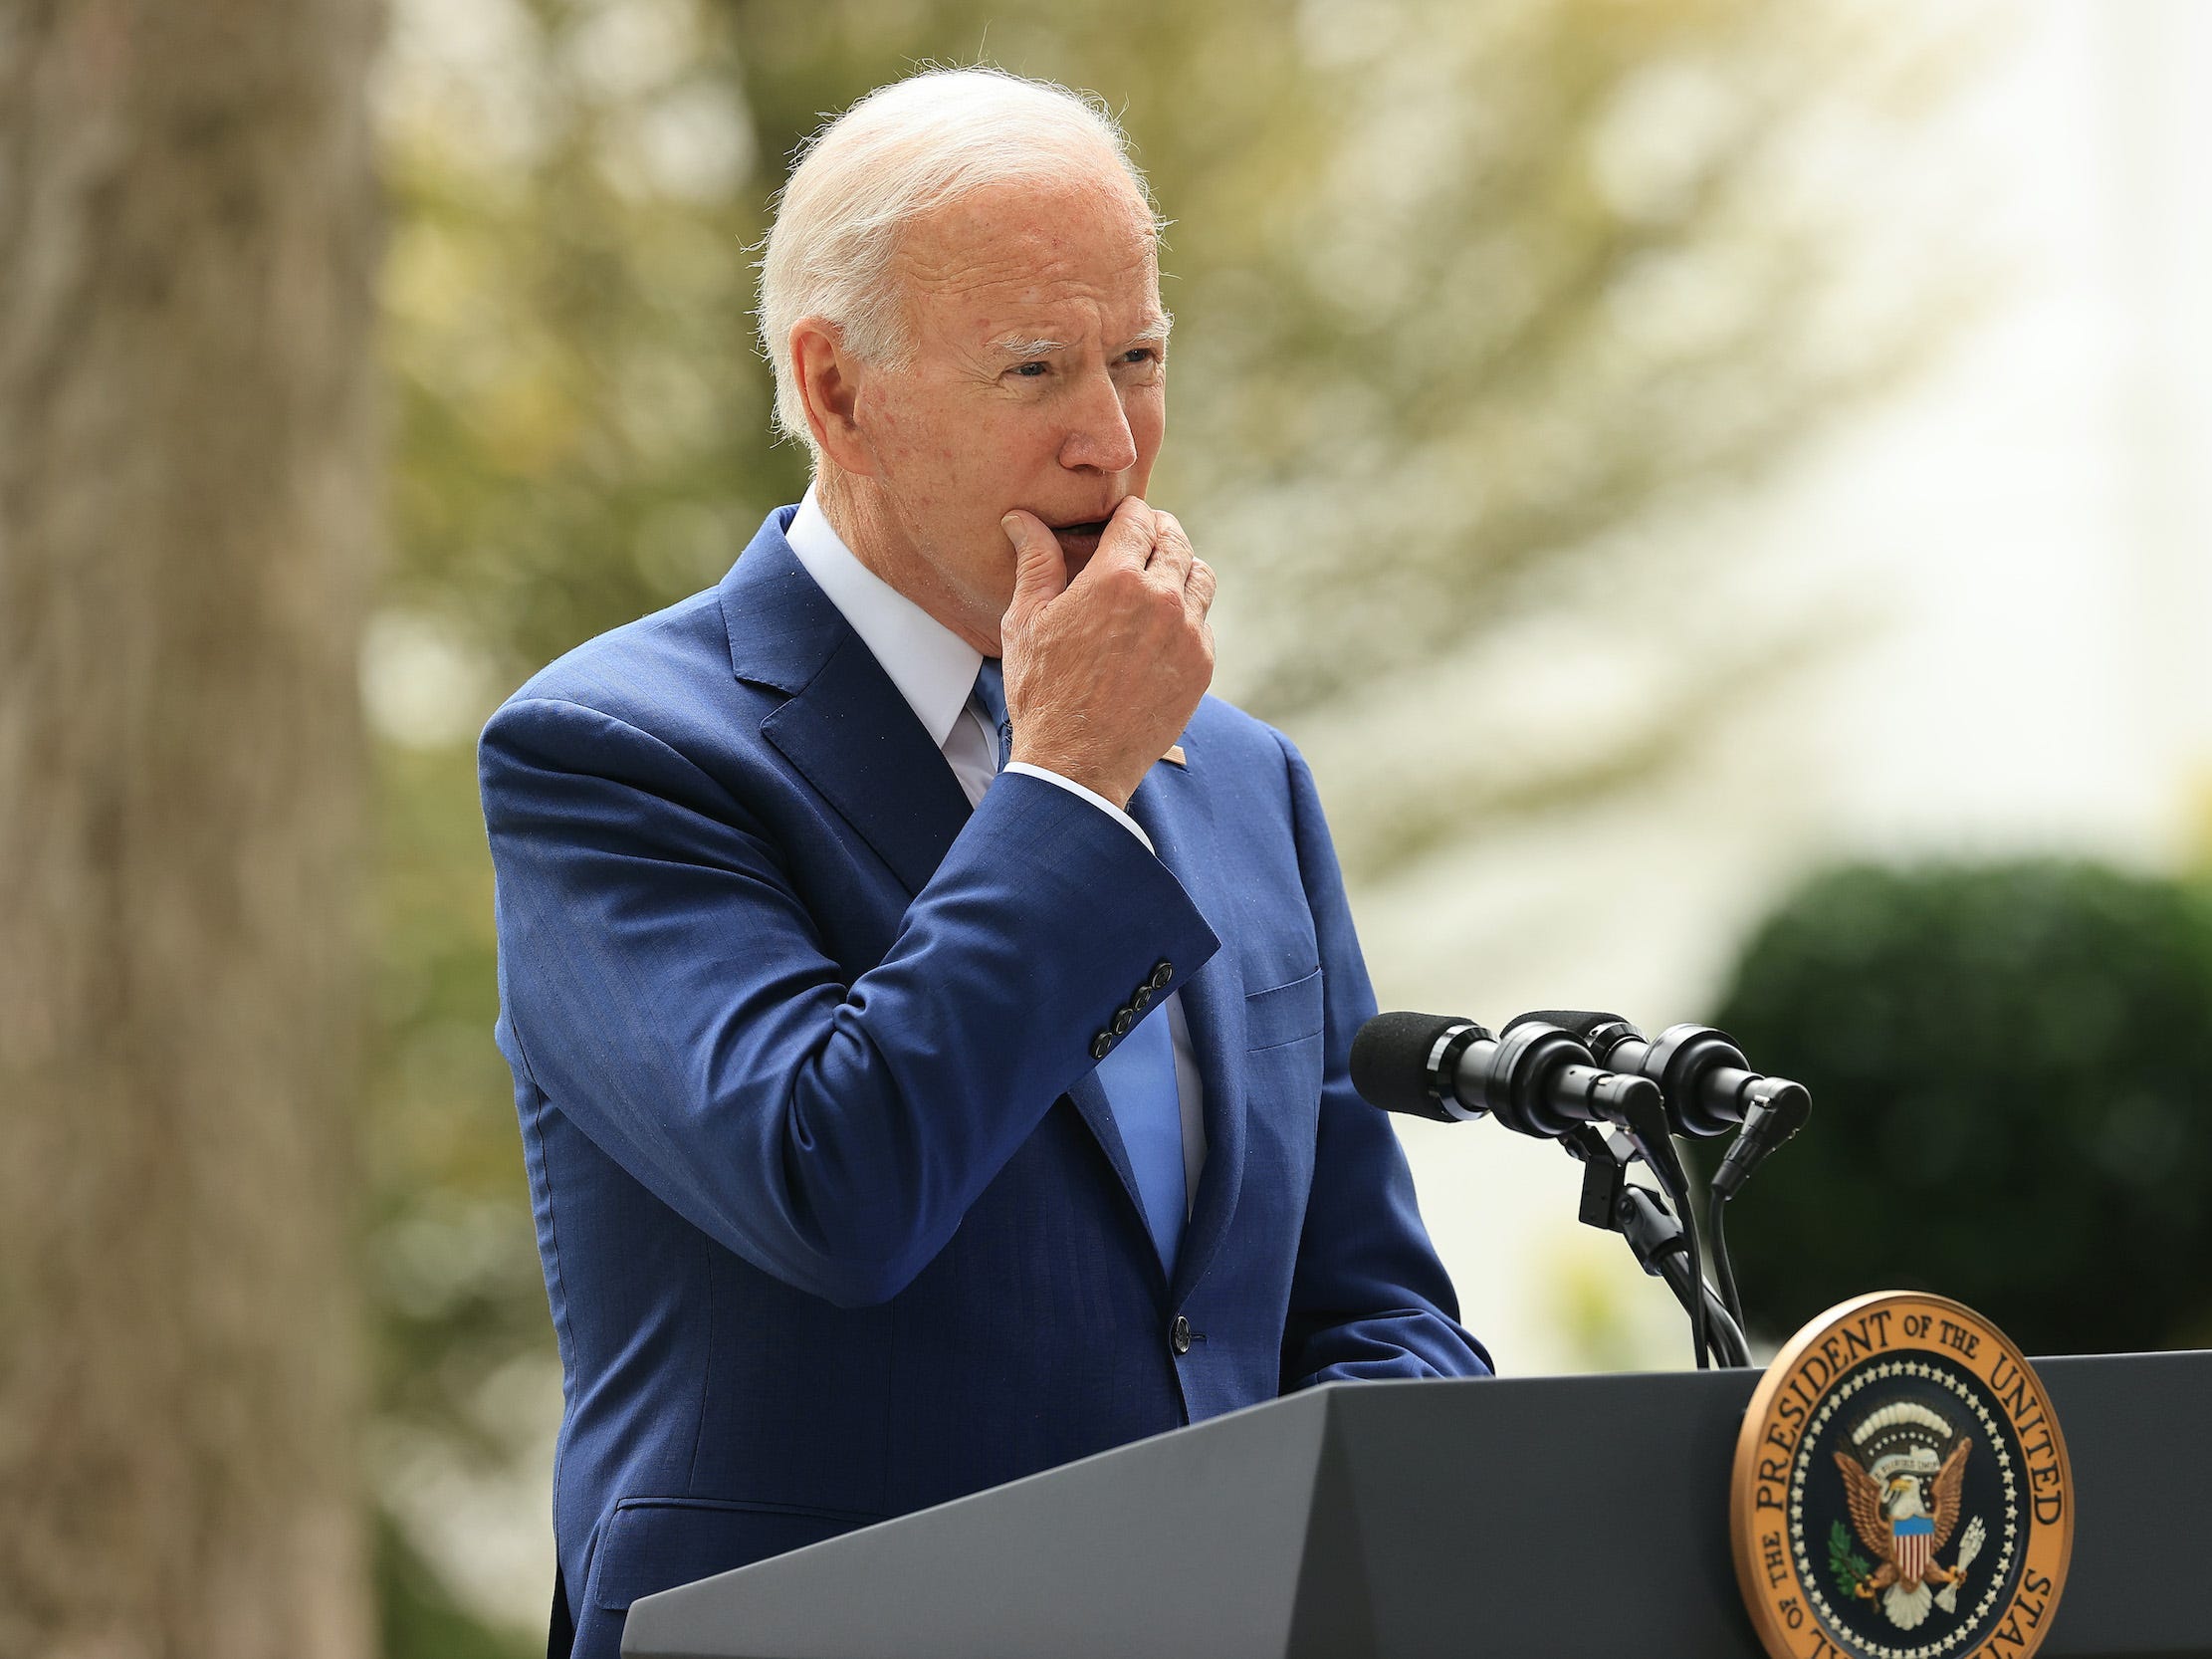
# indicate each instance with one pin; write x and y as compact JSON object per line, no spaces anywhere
{"x":1176,"y":809}
{"x":1089,"y":1098}
{"x":853,"y":737}
{"x":846,"y":728}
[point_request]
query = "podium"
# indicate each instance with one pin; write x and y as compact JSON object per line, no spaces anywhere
{"x":1547,"y":1518}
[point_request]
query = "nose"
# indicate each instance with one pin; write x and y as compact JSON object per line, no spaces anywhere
{"x":1098,"y":436}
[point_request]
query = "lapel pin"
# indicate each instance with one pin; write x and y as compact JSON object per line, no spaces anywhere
{"x":1175,"y":754}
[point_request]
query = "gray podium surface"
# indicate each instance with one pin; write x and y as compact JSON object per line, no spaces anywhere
{"x":1548,"y":1518}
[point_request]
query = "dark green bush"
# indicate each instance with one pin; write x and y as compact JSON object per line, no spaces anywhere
{"x":2011,"y":1066}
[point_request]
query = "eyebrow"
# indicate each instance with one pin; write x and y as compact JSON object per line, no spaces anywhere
{"x":1022,"y":348}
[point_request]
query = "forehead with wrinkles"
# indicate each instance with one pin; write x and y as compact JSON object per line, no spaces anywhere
{"x":1035,"y":257}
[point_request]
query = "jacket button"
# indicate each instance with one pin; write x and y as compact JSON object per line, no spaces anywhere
{"x":1101,"y":1044}
{"x":1162,"y":973}
{"x":1179,"y":1336}
{"x":1142,"y":1000}
{"x":1122,"y":1022}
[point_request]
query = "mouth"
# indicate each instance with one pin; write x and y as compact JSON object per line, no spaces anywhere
{"x":1078,"y":542}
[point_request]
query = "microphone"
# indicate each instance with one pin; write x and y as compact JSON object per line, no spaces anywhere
{"x":1771,"y":1119}
{"x":1709,"y":1084}
{"x":1535,"y":1078}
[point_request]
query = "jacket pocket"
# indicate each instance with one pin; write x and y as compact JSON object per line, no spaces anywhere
{"x":1283,"y":1012}
{"x":655,"y":1544}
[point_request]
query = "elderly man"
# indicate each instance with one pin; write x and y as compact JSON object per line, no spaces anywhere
{"x":929,"y":1012}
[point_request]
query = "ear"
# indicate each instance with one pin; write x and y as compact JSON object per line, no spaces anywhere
{"x":828,"y":378}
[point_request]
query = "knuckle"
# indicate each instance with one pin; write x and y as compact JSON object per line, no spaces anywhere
{"x":1124,"y":589}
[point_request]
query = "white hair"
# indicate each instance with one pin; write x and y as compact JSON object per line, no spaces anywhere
{"x":898,"y":153}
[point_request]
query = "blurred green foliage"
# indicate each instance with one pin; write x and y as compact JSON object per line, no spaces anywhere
{"x":1462,"y":291}
{"x":2011,"y":1066}
{"x":421,"y":1614}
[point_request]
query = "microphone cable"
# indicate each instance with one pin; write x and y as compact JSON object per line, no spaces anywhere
{"x":1724,"y":1270}
{"x":1673,"y":1181}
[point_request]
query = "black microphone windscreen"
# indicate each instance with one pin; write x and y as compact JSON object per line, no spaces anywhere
{"x":1578,"y":1021}
{"x":1389,"y":1060}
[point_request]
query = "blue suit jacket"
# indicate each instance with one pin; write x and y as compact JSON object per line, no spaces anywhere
{"x":834,"y":1218}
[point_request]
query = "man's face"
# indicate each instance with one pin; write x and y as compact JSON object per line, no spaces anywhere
{"x":1037,"y":380}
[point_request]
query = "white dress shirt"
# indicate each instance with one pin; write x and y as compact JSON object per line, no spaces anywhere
{"x":935,"y":671}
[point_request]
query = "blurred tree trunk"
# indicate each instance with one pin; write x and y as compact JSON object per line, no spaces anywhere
{"x":188,"y":499}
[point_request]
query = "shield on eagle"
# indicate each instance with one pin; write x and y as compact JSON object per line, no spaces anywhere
{"x":1910,"y":1537}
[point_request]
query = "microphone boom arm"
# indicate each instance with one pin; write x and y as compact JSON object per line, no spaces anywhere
{"x":1661,"y":1243}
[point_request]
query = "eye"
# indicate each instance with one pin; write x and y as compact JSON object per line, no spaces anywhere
{"x":1031,"y":371}
{"x":1141,"y":353}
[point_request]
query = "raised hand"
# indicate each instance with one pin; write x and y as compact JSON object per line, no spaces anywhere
{"x":1103,"y":672}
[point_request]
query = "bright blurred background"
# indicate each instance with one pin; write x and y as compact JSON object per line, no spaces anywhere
{"x":1718,"y":491}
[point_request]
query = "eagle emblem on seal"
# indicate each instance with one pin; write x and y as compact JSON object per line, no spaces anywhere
{"x":1902,"y":1482}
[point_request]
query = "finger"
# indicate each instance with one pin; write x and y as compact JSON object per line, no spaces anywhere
{"x":1172,"y":552}
{"x":1039,"y":571}
{"x":1198,"y":592}
{"x":1125,"y":541}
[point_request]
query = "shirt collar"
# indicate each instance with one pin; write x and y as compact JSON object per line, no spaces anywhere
{"x":933,"y":667}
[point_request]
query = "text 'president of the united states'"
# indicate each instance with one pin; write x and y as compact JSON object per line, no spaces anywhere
{"x":930,"y":1012}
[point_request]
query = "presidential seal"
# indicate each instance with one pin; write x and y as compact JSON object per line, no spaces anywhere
{"x":1901,"y":1490}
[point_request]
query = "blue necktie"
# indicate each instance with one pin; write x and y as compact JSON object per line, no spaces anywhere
{"x":990,"y":691}
{"x":1138,"y":1074}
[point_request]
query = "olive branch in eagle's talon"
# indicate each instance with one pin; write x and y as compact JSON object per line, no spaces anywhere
{"x":1852,"y":1570}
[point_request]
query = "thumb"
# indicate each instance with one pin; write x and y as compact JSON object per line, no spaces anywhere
{"x":1039,"y":573}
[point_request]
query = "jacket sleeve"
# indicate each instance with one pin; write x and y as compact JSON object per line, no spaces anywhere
{"x":666,"y":988}
{"x":1369,"y":1298}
